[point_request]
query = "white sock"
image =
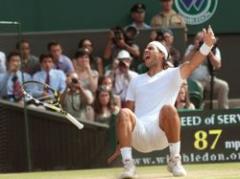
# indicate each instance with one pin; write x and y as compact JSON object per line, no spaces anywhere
{"x":126,"y":153}
{"x":174,"y":148}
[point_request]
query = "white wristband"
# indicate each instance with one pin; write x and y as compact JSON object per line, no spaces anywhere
{"x":205,"y":49}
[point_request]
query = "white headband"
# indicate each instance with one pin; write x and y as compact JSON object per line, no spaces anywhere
{"x":160,"y":47}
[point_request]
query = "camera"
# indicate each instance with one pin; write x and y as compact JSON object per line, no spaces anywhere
{"x":131,"y":34}
{"x":122,"y":64}
{"x":118,"y":33}
{"x":127,"y":34}
{"x":74,"y":80}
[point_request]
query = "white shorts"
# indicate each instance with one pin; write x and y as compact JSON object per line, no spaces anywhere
{"x":147,"y":136}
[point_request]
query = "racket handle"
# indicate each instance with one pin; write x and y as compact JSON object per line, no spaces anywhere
{"x":74,"y":121}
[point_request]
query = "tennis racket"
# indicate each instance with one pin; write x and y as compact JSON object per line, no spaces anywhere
{"x":33,"y":90}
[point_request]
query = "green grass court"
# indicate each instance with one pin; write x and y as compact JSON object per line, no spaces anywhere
{"x":208,"y":171}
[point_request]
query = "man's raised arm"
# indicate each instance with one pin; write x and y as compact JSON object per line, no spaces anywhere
{"x":188,"y":67}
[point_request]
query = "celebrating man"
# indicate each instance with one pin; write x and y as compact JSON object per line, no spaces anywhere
{"x":155,"y":123}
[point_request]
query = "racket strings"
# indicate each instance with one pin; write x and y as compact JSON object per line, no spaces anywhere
{"x":51,"y":101}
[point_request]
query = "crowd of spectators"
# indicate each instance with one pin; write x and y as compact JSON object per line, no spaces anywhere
{"x":95,"y":87}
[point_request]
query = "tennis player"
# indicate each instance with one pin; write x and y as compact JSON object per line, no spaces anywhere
{"x":150,"y":122}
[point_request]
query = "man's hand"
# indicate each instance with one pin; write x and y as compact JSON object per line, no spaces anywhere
{"x":87,"y":67}
{"x":121,"y":43}
{"x":208,"y":36}
{"x":110,"y":35}
{"x":188,"y":67}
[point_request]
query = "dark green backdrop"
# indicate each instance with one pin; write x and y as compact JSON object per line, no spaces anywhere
{"x":51,"y":15}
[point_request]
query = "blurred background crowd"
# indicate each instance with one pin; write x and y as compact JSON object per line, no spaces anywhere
{"x":93,"y":87}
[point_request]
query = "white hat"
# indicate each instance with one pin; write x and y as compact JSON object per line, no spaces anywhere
{"x":160,"y":47}
{"x":123,"y":54}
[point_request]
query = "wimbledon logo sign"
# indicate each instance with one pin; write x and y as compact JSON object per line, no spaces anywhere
{"x":196,"y":11}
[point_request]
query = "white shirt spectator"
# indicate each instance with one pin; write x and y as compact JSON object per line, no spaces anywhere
{"x":2,"y":62}
{"x":121,"y":82}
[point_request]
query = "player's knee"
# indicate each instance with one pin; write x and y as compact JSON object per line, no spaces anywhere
{"x":168,"y":110}
{"x":168,"y":116}
{"x":124,"y":116}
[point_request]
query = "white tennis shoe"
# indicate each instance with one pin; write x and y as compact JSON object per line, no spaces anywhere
{"x":175,"y":166}
{"x":129,"y":170}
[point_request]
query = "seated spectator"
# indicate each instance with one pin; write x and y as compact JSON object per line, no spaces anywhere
{"x":168,"y":17}
{"x":138,"y":12}
{"x":183,"y":101}
{"x":203,"y":73}
{"x":12,"y":79}
{"x":95,"y":62}
{"x":53,"y":77}
{"x":122,"y":75}
{"x":30,"y":63}
{"x":156,"y":35}
{"x":116,"y":42}
{"x":88,"y":77}
{"x":174,"y":54}
{"x":106,"y":82}
{"x":76,"y":99}
{"x":2,"y":62}
{"x":61,"y":62}
{"x":104,"y":108}
{"x":131,"y":34}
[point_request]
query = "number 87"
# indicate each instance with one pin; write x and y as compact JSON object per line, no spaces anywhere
{"x":201,"y":142}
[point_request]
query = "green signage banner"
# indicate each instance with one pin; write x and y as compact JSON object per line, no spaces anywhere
{"x":74,"y":15}
{"x":222,"y":15}
{"x":196,"y":12}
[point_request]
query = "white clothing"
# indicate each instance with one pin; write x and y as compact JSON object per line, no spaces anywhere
{"x":148,"y":136}
{"x":2,"y":62}
{"x":121,"y":82}
{"x":150,"y":94}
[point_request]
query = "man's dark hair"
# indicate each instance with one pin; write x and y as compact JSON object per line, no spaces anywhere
{"x":159,"y":35}
{"x":12,"y":54}
{"x":81,"y":42}
{"x":18,"y":45}
{"x":80,"y":53}
{"x":52,"y":43}
{"x":43,"y":56}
